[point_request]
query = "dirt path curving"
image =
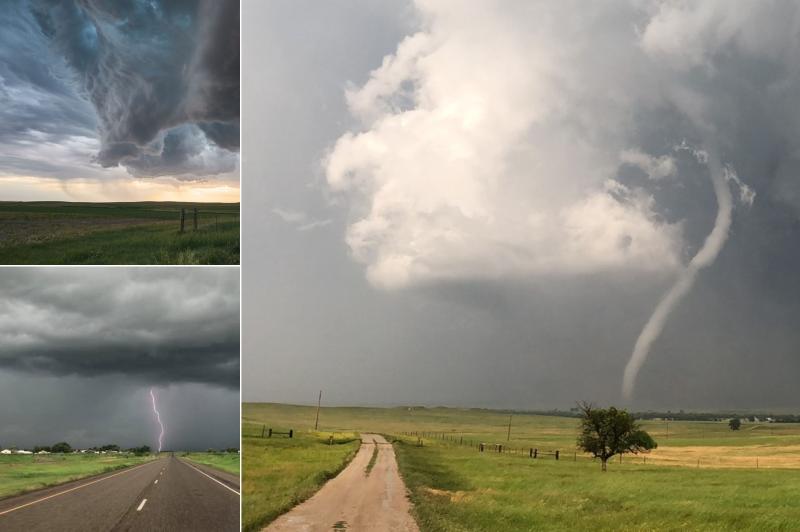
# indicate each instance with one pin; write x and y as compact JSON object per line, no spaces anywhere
{"x":354,"y":500}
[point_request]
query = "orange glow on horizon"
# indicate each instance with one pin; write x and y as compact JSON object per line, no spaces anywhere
{"x":27,"y":188}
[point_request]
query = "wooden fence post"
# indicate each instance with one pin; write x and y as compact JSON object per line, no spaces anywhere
{"x":535,"y":453}
{"x":270,"y":433}
{"x":290,"y":433}
{"x":556,"y":455}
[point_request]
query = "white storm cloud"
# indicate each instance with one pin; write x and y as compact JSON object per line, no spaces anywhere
{"x":492,"y":139}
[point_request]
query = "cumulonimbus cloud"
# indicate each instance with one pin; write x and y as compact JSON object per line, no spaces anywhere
{"x":496,"y":141}
{"x":492,"y":139}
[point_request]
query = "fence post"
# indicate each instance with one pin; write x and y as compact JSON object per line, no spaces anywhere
{"x":270,"y":433}
{"x":556,"y":455}
{"x":183,"y":218}
{"x":195,"y":218}
{"x":290,"y":433}
{"x":531,"y":453}
{"x":535,"y":453}
{"x":480,"y":448}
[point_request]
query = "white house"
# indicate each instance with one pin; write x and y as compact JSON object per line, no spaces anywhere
{"x":23,"y":451}
{"x":5,"y":451}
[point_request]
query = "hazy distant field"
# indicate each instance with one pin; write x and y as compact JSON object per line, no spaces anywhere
{"x":454,"y":487}
{"x":225,"y":461}
{"x":279,"y":472}
{"x":21,"y":473}
{"x":117,"y":233}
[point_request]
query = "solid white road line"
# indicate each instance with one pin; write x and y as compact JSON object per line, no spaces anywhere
{"x":141,"y":505}
{"x":71,"y":489}
{"x":212,"y":478}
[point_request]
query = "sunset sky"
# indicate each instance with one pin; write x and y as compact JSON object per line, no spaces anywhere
{"x":119,"y":101}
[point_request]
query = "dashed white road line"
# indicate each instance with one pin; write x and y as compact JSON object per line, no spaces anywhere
{"x":141,"y":505}
{"x":69,"y":490}
{"x":212,"y":478}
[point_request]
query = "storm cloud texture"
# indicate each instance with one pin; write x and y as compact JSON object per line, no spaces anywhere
{"x":510,"y":188}
{"x":150,"y":86}
{"x":83,"y":346}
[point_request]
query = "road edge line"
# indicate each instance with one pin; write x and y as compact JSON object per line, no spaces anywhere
{"x":212,"y":478}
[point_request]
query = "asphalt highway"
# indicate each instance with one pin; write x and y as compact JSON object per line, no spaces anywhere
{"x":167,"y":494}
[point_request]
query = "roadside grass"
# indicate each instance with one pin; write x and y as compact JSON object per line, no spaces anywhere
{"x":224,"y":461}
{"x":372,"y":459}
{"x":23,"y":473}
{"x":456,"y":489}
{"x":279,"y":473}
{"x":117,"y":233}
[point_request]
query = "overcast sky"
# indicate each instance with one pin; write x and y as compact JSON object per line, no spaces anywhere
{"x":108,"y":100}
{"x":82,"y":347}
{"x":483,"y":203}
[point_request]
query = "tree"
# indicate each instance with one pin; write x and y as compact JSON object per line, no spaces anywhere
{"x":735,"y":423}
{"x":606,"y":432}
{"x":144,"y":449}
{"x":61,"y":447}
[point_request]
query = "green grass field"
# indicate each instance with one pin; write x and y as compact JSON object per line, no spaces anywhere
{"x":279,"y":472}
{"x":22,"y":473}
{"x":703,"y":476}
{"x":117,"y":233}
{"x":225,"y":461}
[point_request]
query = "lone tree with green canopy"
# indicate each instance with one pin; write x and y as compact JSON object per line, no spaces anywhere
{"x":606,"y":432}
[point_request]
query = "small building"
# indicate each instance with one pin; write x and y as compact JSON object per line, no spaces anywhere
{"x":23,"y":451}
{"x":5,"y":451}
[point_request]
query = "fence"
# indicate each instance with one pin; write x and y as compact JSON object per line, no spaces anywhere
{"x":269,"y":432}
{"x":674,"y":457}
{"x":196,"y":214}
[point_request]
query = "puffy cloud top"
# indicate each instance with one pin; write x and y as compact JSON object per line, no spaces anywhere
{"x":497,"y":141}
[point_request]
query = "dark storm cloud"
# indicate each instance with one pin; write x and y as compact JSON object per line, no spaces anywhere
{"x":39,"y":103}
{"x":152,"y":326}
{"x":158,"y":81}
{"x":530,"y":342}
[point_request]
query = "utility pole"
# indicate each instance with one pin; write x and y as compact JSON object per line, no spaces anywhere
{"x":509,"y":427}
{"x":319,"y":402}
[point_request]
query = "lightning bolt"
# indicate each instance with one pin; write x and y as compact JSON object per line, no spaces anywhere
{"x":158,"y":418}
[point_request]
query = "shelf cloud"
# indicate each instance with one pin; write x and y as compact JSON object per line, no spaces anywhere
{"x":153,"y":326}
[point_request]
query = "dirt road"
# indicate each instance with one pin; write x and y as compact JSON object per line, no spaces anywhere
{"x":355,"y":500}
